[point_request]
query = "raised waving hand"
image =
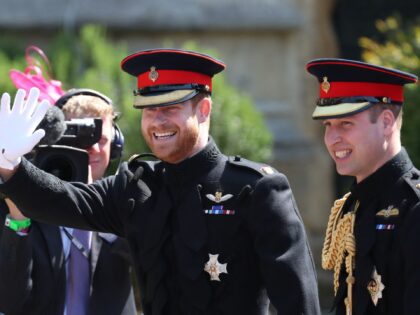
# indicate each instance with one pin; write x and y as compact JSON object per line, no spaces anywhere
{"x":17,"y":126}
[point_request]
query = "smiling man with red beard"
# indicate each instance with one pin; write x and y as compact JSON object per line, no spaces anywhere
{"x":372,"y":235}
{"x":209,"y":233}
{"x":176,"y":131}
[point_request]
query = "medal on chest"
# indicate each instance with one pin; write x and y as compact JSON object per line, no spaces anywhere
{"x":218,"y":208}
{"x":391,"y":211}
{"x":375,"y":287}
{"x":214,"y":267}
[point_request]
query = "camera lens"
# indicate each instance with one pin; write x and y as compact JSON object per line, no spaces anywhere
{"x":67,"y":163}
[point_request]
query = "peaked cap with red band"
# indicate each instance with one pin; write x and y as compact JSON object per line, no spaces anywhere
{"x":170,"y":76}
{"x":348,"y":87}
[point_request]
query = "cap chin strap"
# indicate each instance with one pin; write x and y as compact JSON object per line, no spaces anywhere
{"x":171,"y":87}
{"x":356,"y":99}
{"x":166,"y":99}
{"x":347,"y":106}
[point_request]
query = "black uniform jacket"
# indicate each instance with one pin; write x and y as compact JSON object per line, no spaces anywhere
{"x":387,"y":232}
{"x":33,"y":273}
{"x":174,"y":216}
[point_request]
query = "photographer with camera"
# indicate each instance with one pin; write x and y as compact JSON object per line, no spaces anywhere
{"x":46,"y":269}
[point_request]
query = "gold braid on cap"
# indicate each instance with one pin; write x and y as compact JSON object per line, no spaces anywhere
{"x":339,"y":241}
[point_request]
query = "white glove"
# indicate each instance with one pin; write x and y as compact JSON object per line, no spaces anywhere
{"x":17,"y":125}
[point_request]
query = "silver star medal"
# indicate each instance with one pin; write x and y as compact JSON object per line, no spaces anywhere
{"x":214,"y":268}
{"x":375,"y":286}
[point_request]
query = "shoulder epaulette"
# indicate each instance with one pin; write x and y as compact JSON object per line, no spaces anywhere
{"x":260,"y":168}
{"x":413,"y":180}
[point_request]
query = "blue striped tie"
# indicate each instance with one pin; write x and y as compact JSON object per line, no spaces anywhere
{"x":78,"y":280}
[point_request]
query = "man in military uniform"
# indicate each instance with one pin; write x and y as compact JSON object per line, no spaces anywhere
{"x":372,"y":237}
{"x":209,"y":234}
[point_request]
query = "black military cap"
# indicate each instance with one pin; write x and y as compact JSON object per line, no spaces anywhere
{"x":348,"y":87}
{"x":170,"y":76}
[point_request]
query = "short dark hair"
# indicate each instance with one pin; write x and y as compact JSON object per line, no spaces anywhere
{"x":377,"y":109}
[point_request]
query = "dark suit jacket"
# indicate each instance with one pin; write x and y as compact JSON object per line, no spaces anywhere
{"x":169,"y":215}
{"x":388,"y":243}
{"x":33,"y":276}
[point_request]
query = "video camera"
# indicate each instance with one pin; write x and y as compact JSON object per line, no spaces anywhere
{"x":67,"y":158}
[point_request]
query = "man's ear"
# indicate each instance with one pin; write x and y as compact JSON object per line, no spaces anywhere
{"x":388,"y":122}
{"x":204,"y":109}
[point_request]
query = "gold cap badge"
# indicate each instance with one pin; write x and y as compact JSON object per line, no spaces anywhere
{"x":325,"y":85}
{"x":153,"y":74}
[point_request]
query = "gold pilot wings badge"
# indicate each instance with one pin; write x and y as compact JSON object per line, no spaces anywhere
{"x":218,"y":197}
{"x":391,"y":211}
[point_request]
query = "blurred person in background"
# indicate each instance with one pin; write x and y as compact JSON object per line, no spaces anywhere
{"x":47,"y":269}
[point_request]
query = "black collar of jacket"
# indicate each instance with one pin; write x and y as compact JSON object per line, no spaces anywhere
{"x":385,"y":176}
{"x":200,"y":163}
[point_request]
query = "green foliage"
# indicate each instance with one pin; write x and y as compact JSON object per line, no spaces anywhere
{"x":88,"y":59}
{"x":400,"y":50}
{"x":237,"y":127}
{"x":10,"y":47}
